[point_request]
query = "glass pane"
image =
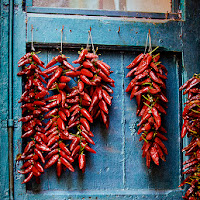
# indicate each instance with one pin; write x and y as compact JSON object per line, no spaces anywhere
{"x":158,"y":6}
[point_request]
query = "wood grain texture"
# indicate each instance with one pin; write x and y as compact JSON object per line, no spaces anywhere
{"x":117,"y":171}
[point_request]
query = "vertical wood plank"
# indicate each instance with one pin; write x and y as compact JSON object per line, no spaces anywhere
{"x":19,"y":48}
{"x":4,"y":167}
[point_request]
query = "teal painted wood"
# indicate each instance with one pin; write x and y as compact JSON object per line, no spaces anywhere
{"x":191,"y":40}
{"x":4,"y":169}
{"x":19,"y":46}
{"x":107,"y":195}
{"x":175,"y":36}
{"x":29,"y":3}
{"x":117,"y":170}
{"x":164,"y":33}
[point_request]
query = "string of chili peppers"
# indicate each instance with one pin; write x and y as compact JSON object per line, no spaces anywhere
{"x":191,"y":127}
{"x":92,"y":77}
{"x":149,"y":88}
{"x":69,"y":111}
{"x":33,"y":108}
{"x":55,"y":129}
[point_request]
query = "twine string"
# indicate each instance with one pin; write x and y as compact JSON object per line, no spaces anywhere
{"x":61,"y":41}
{"x":150,"y":47}
{"x":32,"y":47}
{"x":146,"y":43}
{"x":90,"y":39}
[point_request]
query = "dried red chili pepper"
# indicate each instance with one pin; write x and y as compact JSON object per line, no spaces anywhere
{"x":81,"y":161}
{"x":74,"y":143}
{"x":64,"y":148}
{"x":51,"y":161}
{"x":28,"y":178}
{"x":81,"y":56}
{"x":59,"y":168}
{"x":56,"y":75}
{"x":154,"y":155}
{"x":87,"y":115}
{"x":67,"y":164}
{"x":87,"y":148}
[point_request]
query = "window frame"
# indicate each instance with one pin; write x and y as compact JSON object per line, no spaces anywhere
{"x":175,"y":14}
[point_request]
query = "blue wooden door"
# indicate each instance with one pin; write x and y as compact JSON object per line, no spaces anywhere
{"x":117,"y":171}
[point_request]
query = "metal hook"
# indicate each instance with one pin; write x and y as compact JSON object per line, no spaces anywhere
{"x":119,"y":29}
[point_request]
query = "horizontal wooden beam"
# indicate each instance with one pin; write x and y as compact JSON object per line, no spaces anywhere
{"x":105,"y":31}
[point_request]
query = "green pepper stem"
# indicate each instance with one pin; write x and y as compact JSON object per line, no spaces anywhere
{"x":155,"y":55}
{"x":196,"y":111}
{"x":146,"y":98}
{"x":154,"y":50}
{"x":144,"y":139}
{"x":147,"y":105}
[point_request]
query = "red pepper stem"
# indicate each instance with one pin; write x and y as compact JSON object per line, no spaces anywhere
{"x":144,"y":134}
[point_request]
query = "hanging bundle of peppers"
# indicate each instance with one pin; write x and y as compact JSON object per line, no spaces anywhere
{"x":55,"y":129}
{"x":95,"y":74}
{"x":149,"y":88}
{"x":73,"y":109}
{"x":191,"y":127}
{"x":33,"y":108}
{"x":90,"y":100}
